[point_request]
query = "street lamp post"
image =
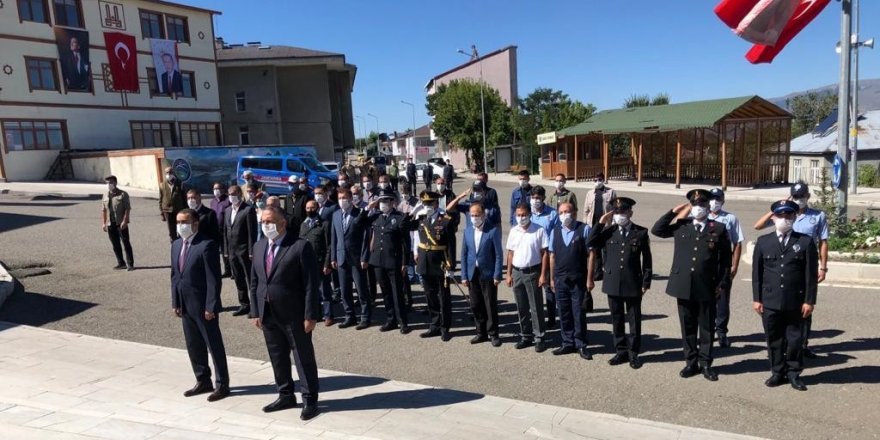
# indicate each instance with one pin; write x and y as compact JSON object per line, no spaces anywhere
{"x":362,"y":126}
{"x":854,"y":167}
{"x":843,"y":106}
{"x":475,"y":55}
{"x":413,"y":125}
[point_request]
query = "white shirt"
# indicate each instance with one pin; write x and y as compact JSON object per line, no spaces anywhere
{"x":701,"y":225}
{"x":234,"y":213}
{"x":478,"y":235}
{"x":527,"y":245}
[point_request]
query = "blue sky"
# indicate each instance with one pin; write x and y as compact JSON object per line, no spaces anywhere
{"x":597,"y":51}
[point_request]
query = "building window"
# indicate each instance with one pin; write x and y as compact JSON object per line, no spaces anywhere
{"x":797,"y":172}
{"x":198,"y":134}
{"x":33,"y":10}
{"x":240,"y":102}
{"x":42,"y":74}
{"x":815,"y":171}
{"x":244,"y":136}
{"x":189,"y":84}
{"x":152,"y":134}
{"x":34,"y":135}
{"x":151,"y":25}
{"x":68,"y":13}
{"x":178,"y":29}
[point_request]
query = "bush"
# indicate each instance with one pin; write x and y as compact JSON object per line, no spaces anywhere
{"x":868,"y":176}
{"x":861,"y":233}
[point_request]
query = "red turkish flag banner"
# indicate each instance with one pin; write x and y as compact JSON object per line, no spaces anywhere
{"x":756,"y":21}
{"x":806,"y":11}
{"x":122,"y":53}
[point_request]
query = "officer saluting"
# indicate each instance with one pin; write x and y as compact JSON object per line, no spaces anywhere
{"x":784,"y":282}
{"x":700,"y":271}
{"x":627,"y":276}
{"x":434,"y":263}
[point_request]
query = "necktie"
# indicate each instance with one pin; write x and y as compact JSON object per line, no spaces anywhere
{"x":182,"y":259}
{"x":698,"y":227}
{"x":76,"y":60}
{"x":782,"y":239}
{"x":169,"y":81}
{"x":345,"y":220}
{"x":270,"y":258}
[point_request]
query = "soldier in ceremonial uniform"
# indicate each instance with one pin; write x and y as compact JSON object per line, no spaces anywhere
{"x":700,"y":272}
{"x":627,"y":276}
{"x":785,"y":268}
{"x":434,"y":263}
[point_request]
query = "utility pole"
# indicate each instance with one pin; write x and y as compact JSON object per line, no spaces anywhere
{"x":843,"y":106}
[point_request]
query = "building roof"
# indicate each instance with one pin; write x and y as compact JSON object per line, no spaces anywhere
{"x":267,"y":52}
{"x":671,"y":117}
{"x":423,"y":131}
{"x":472,"y":61}
{"x":180,"y":5}
{"x":826,"y":142}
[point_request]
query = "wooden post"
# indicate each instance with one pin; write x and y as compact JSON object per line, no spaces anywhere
{"x":757,"y":174}
{"x":724,"y":157}
{"x":575,"y":159}
{"x":605,"y":157}
{"x":678,"y":161}
{"x":640,"y":161}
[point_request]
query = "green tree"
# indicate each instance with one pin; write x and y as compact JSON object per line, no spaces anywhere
{"x":809,"y":109}
{"x":643,"y":100}
{"x":546,"y":110}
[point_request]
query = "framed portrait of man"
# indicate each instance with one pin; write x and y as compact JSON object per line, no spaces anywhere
{"x":165,"y":61}
{"x":73,"y":52}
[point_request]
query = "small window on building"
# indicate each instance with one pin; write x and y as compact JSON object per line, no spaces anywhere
{"x":240,"y":102}
{"x":33,"y":10}
{"x":797,"y":172}
{"x":151,"y":25}
{"x":196,"y":134}
{"x":34,"y":135}
{"x":189,"y":84}
{"x":815,"y":171}
{"x":152,"y":134}
{"x":178,"y":28}
{"x":42,"y":74}
{"x":68,"y":13}
{"x":244,"y":136}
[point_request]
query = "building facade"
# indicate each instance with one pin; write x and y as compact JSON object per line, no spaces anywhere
{"x":57,"y":92}
{"x":286,"y":95}
{"x":812,"y":154}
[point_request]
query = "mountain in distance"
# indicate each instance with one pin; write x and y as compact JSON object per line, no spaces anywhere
{"x":869,"y":94}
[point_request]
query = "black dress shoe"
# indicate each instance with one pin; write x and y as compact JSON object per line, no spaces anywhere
{"x":347,"y":323}
{"x":283,"y":402}
{"x":430,"y":334}
{"x":797,"y":383}
{"x":774,"y":381}
{"x":199,"y":388}
{"x":388,"y":326}
{"x":618,"y":359}
{"x":710,"y":374}
{"x":404,"y":329}
{"x":809,"y":354}
{"x":130,"y":267}
{"x":119,"y":266}
{"x":496,"y":341}
{"x":540,"y":346}
{"x":523,"y":343}
{"x":219,"y":393}
{"x":634,"y":362}
{"x":310,"y":411}
{"x":243,"y":310}
{"x":551,"y":324}
{"x":479,"y":338}
{"x":723,"y":341}
{"x":362,"y":325}
{"x":565,"y":349}
{"x":445,"y":336}
{"x":584,"y":353}
{"x":689,"y":370}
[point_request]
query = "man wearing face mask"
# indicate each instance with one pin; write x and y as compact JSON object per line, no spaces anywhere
{"x":195,"y":298}
{"x":442,"y":187}
{"x":527,"y":265}
{"x":385,"y":183}
{"x":784,"y":284}
{"x":596,"y":204}
{"x":562,"y":194}
{"x":811,"y":222}
{"x":239,"y":236}
{"x":520,"y":195}
{"x":349,"y":256}
{"x":547,"y":218}
{"x":389,"y":257}
{"x":115,"y":212}
{"x":435,"y":264}
{"x":474,"y":196}
{"x":326,"y":207}
{"x":357,"y":197}
{"x":172,"y":198}
{"x":247,"y":178}
{"x":482,"y":260}
{"x":627,"y":276}
{"x":286,"y":295}
{"x":295,"y":202}
{"x":428,"y":176}
{"x":448,"y":174}
{"x":219,"y":203}
{"x":393,"y":174}
{"x":343,"y":181}
{"x":734,"y":231}
{"x":369,"y":189}
{"x":490,"y":196}
{"x":411,"y":177}
{"x":207,"y":220}
{"x":317,"y":232}
{"x":700,"y":272}
{"x":569,"y":266}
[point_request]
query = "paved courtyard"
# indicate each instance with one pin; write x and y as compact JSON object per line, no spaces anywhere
{"x":59,"y":242}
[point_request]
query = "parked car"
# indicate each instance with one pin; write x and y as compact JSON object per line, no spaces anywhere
{"x":274,"y":171}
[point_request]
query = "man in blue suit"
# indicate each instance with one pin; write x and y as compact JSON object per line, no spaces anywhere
{"x":481,"y":264}
{"x":349,"y":256}
{"x":195,"y":298}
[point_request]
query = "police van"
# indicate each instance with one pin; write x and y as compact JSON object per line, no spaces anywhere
{"x":274,"y":171}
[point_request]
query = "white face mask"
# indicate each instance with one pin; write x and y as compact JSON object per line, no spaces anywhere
{"x":270,"y":230}
{"x":783,"y":225}
{"x":111,"y":187}
{"x":478,"y":221}
{"x":439,"y":187}
{"x":621,"y":220}
{"x":560,"y":185}
{"x":169,"y":177}
{"x":218,"y":193}
{"x":802,"y":202}
{"x":368,"y":185}
{"x":477,"y":196}
{"x":384,"y":185}
{"x":715,"y":205}
{"x":345,"y":204}
{"x":600,"y":184}
{"x":235,"y":200}
{"x":429,"y":210}
{"x":537,"y":204}
{"x":341,"y":183}
{"x":184,"y":230}
{"x":320,"y":198}
{"x":303,"y":186}
{"x":385,"y":207}
{"x":523,"y":183}
{"x":523,"y":221}
{"x":356,"y":199}
{"x":698,"y":212}
{"x":192,"y":203}
{"x":566,"y":219}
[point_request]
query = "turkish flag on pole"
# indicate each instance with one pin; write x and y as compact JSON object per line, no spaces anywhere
{"x":122,"y":53}
{"x":756,"y":21}
{"x":805,"y":12}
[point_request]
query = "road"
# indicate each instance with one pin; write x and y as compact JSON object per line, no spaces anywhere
{"x":82,"y":294}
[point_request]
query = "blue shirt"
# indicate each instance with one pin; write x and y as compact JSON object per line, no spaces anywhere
{"x":731,"y":223}
{"x":567,"y":235}
{"x":547,"y":219}
{"x":813,"y":223}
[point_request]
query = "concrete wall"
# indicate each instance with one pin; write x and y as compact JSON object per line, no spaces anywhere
{"x":305,"y":108}
{"x":138,"y":168}
{"x":258,"y":84}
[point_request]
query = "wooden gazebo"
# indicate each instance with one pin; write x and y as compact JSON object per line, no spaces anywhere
{"x":736,"y":141}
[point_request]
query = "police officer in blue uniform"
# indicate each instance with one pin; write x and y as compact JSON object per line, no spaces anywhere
{"x":700,"y":272}
{"x":784,"y":284}
{"x":734,"y":231}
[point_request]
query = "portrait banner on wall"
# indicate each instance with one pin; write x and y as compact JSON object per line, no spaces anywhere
{"x":73,"y":53}
{"x":165,"y":61}
{"x":122,"y":54}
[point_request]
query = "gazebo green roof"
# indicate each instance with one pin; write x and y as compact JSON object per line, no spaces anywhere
{"x":672,"y":117}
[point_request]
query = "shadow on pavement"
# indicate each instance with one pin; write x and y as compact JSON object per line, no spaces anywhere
{"x":37,"y":309}
{"x":54,"y":205}
{"x":328,"y":384}
{"x":868,"y":374}
{"x":68,"y":197}
{"x":406,"y":399}
{"x":9,"y":221}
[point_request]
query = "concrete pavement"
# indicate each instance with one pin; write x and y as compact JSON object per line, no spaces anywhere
{"x":58,"y":385}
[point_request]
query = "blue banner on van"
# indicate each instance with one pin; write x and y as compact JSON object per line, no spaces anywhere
{"x":200,"y":167}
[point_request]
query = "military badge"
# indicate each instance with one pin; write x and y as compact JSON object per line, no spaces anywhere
{"x":796,"y":247}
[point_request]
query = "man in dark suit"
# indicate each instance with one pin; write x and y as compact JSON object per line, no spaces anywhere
{"x":700,"y":272}
{"x":170,"y":84}
{"x":76,"y":68}
{"x":411,"y":176}
{"x":207,"y":217}
{"x":240,"y":233}
{"x":427,"y":176}
{"x":448,"y":174}
{"x":482,"y":261}
{"x":195,"y":298}
{"x":326,"y":206}
{"x":349,"y":256}
{"x":627,"y":277}
{"x":789,"y":260}
{"x":287,"y":304}
{"x":569,"y":263}
{"x":316,"y":231}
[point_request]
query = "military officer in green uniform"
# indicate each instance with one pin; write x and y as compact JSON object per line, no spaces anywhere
{"x":434,"y":263}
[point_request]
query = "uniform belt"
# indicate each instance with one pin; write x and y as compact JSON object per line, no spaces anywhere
{"x":429,"y":247}
{"x":529,"y":269}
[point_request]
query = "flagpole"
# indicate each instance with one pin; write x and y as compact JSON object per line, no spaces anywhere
{"x":843,"y":107}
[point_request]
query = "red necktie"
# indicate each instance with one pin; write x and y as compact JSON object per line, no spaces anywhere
{"x":182,"y":259}
{"x":270,"y":258}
